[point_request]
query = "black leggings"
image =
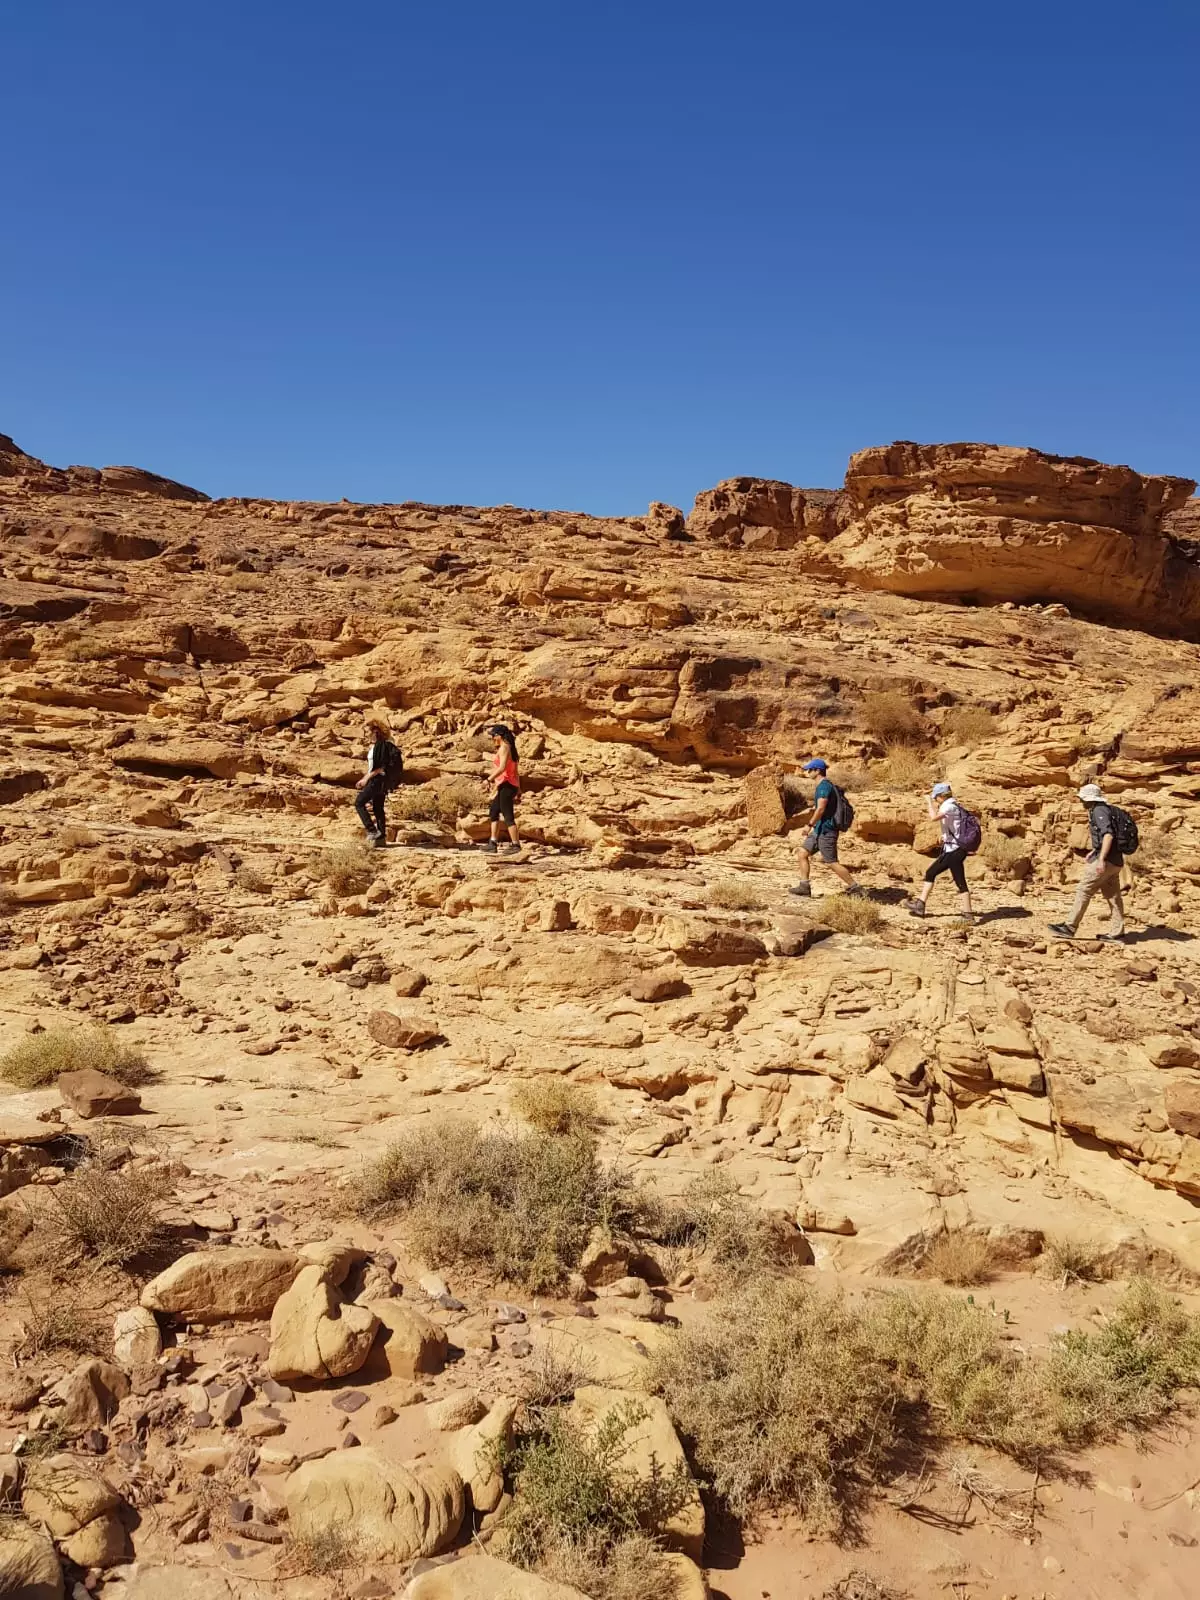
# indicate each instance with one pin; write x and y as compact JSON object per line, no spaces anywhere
{"x":950,"y":861}
{"x":503,"y":802}
{"x":370,"y":799}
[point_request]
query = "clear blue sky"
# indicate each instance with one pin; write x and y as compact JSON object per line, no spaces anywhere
{"x":588,"y":255}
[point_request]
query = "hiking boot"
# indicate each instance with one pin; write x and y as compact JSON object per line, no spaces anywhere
{"x":857,"y":892}
{"x":1062,"y":930}
{"x":1111,"y":938}
{"x":489,"y":847}
{"x":915,"y":908}
{"x":510,"y":849}
{"x":804,"y":890}
{"x":379,"y":840}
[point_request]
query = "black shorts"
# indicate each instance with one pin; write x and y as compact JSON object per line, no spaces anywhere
{"x":503,"y":802}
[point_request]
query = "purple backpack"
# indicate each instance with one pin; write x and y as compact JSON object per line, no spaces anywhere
{"x":967,"y":830}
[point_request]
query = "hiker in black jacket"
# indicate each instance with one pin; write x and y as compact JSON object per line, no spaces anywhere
{"x":1101,"y":871}
{"x":373,"y":788}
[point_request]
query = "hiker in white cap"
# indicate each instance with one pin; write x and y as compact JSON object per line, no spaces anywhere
{"x":1113,"y":836}
{"x":961,"y":834}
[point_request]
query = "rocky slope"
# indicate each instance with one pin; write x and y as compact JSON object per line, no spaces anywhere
{"x":182,"y":689}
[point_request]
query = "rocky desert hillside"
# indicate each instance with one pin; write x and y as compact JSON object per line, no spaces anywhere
{"x":348,"y":1192}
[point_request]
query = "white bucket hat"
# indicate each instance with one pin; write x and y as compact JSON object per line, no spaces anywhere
{"x":1090,"y":793}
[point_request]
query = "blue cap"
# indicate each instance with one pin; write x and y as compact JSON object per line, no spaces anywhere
{"x":815,"y":765}
{"x":940,"y":789}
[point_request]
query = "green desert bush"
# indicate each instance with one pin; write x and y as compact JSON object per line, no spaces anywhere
{"x":848,"y":914}
{"x":792,"y":1397}
{"x":520,"y":1204}
{"x":42,"y":1057}
{"x":713,"y":1220}
{"x":579,"y":1515}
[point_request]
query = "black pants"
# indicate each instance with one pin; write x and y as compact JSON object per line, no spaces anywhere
{"x":370,"y":799}
{"x":503,"y":803}
{"x":950,"y":861}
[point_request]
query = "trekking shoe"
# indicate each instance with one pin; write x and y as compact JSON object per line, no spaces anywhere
{"x":489,"y":847}
{"x":379,"y":840}
{"x":1111,"y":938}
{"x":510,"y":849}
{"x":915,"y":908}
{"x":804,"y":890}
{"x":1062,"y":930}
{"x":857,"y":892}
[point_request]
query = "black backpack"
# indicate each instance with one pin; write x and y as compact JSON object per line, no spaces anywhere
{"x":393,"y":765}
{"x":843,"y":811}
{"x":1124,"y":831}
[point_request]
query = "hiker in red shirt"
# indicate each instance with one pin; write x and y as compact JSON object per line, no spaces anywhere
{"x":506,"y":781}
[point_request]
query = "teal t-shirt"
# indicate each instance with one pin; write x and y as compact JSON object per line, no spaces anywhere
{"x":826,"y":823}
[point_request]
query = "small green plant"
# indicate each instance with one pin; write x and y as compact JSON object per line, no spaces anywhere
{"x":847,"y":914}
{"x":42,"y":1057}
{"x":968,"y":725}
{"x":556,"y":1105}
{"x":959,"y":1256}
{"x":730,"y":895}
{"x":347,"y":868}
{"x":893,"y":719}
{"x":577,"y":1508}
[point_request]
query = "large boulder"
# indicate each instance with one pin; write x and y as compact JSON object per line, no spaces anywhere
{"x":408,"y":1343}
{"x":97,"y":1094}
{"x":476,"y":1453}
{"x":89,"y":1395}
{"x":482,"y":1577}
{"x":995,"y":523}
{"x":389,"y":1511}
{"x":651,"y":1448}
{"x":762,"y":514}
{"x":314,"y":1334}
{"x":137,"y":1341}
{"x":214,"y":1285}
{"x":79,"y":1508}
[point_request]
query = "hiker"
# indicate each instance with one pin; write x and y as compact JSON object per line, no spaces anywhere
{"x":384,"y":767}
{"x":506,"y":780}
{"x":960,"y":837}
{"x":828,"y":817}
{"x":1110,"y":829}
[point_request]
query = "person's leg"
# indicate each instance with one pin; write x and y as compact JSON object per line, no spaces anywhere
{"x":1110,"y":888}
{"x":1089,"y":882}
{"x":494,"y":820}
{"x":804,"y":866}
{"x":508,"y":810}
{"x":916,"y":906}
{"x":958,"y":871}
{"x":378,"y":805}
{"x":363,"y":802}
{"x":828,"y":843}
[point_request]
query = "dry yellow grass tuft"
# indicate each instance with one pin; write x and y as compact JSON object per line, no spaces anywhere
{"x":846,"y":913}
{"x":730,"y":895}
{"x":968,"y":725}
{"x":347,"y":868}
{"x":111,"y":1217}
{"x":1073,"y":1261}
{"x":42,"y":1057}
{"x":961,"y":1257}
{"x":904,"y":768}
{"x":555,"y":1105}
{"x":442,"y":801}
{"x":893,"y":719}
{"x":1004,"y":854}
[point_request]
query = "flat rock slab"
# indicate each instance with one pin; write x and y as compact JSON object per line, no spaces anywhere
{"x":95,"y":1094}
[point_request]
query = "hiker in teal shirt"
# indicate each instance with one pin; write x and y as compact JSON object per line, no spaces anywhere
{"x":822,"y":838}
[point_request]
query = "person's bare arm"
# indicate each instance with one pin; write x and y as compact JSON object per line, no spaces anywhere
{"x":1106,"y":845}
{"x":933,"y":809}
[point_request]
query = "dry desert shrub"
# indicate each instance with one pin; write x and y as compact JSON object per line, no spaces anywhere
{"x":846,"y":913}
{"x":519,"y":1204}
{"x":893,"y":719}
{"x":322,"y":1553}
{"x":106,"y":1216}
{"x":961,"y":1257}
{"x":904,"y":768}
{"x":730,"y":895}
{"x":713,"y":1220}
{"x":555,"y":1105}
{"x":442,"y":801}
{"x":347,"y":868}
{"x":968,"y":725}
{"x":245,"y":582}
{"x":1004,"y":854}
{"x":251,"y":880}
{"x":41,"y":1057}
{"x":859,"y":1585}
{"x":51,"y":1319}
{"x":790,"y":1397}
{"x":578,"y":1515}
{"x":1069,"y":1260}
